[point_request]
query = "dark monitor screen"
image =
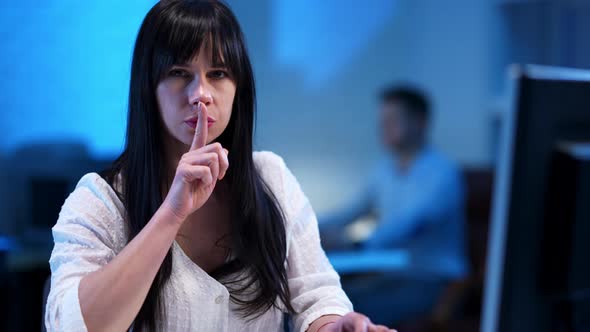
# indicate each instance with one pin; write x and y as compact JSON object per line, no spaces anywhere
{"x":47,"y":196}
{"x":551,"y":107}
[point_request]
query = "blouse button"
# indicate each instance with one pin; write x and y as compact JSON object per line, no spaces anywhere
{"x":219,"y":299}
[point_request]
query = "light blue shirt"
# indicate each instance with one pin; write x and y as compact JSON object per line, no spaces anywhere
{"x":419,"y":211}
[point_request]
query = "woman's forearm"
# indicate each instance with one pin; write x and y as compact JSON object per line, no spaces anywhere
{"x":111,"y":297}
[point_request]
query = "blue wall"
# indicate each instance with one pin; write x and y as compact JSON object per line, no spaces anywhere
{"x":65,"y":67}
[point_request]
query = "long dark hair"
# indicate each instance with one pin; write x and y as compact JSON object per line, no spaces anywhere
{"x":173,"y":32}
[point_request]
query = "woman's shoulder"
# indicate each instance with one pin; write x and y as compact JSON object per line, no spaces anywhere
{"x":274,"y":171}
{"x":93,"y":181}
{"x":271,"y":167}
{"x":92,"y":206}
{"x":267,"y":160}
{"x":92,"y":184}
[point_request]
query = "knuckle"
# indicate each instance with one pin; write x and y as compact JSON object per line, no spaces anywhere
{"x":212,"y":158}
{"x":220,"y":150}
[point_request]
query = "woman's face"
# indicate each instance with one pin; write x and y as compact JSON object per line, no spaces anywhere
{"x":183,"y":86}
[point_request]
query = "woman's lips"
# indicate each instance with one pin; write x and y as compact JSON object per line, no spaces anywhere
{"x":193,"y":123}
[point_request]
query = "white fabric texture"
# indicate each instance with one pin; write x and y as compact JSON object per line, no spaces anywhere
{"x":90,"y":232}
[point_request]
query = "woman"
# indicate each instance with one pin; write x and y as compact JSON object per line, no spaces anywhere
{"x":173,"y":237}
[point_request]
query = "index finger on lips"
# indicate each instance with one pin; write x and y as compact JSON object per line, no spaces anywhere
{"x":201,"y":131}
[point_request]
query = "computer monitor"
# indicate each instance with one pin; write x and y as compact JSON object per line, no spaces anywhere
{"x":525,"y":290}
{"x":36,"y":179}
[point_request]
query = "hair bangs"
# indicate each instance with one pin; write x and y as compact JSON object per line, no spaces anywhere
{"x":188,"y":29}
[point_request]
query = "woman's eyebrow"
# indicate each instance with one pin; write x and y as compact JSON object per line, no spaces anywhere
{"x":223,"y":66}
{"x":188,"y":65}
{"x":182,"y":65}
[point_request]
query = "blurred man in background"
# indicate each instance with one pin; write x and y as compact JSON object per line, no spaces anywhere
{"x":416,"y":195}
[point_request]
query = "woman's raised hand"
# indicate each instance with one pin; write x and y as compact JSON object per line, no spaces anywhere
{"x":197,"y":172}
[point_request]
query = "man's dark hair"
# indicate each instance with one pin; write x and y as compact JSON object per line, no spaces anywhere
{"x":413,"y":100}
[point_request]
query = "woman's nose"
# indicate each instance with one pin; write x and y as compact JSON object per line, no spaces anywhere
{"x":199,"y":93}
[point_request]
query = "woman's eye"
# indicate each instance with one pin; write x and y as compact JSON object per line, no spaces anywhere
{"x":178,"y":73}
{"x":218,"y":74}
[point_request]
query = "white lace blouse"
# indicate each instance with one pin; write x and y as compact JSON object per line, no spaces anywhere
{"x":90,"y":232}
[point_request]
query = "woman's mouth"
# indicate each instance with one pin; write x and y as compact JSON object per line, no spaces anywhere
{"x":192,"y":123}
